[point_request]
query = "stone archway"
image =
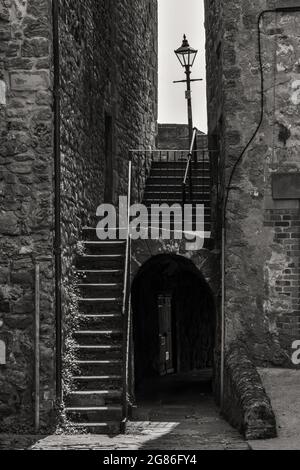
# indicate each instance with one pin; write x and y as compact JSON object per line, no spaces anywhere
{"x":173,"y":319}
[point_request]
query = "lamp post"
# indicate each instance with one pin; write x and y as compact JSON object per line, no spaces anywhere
{"x":186,"y":56}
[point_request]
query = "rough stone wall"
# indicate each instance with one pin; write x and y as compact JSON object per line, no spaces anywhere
{"x":26,"y":208}
{"x":246,"y":405}
{"x":176,"y":137}
{"x":108,"y":66}
{"x":262,"y":258}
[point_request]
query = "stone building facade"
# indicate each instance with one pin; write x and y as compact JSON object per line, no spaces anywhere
{"x":78,"y":89}
{"x":176,"y":137}
{"x":253,"y":110}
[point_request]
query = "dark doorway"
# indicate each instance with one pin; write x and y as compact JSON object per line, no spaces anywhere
{"x":173,"y":321}
{"x":109,"y":175}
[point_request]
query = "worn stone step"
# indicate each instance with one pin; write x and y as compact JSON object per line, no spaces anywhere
{"x":95,"y":352}
{"x":103,"y":382}
{"x":97,"y":337}
{"x":159,"y":180}
{"x":104,"y":247}
{"x":101,"y":276}
{"x":94,"y":414}
{"x":92,"y":290}
{"x":99,"y":367}
{"x":168,"y":187}
{"x":101,"y":321}
{"x":180,"y":165}
{"x":94,"y":398}
{"x":100,"y":305}
{"x":160,"y":200}
{"x":90,"y":234}
{"x":168,"y":195}
{"x":100,"y":261}
{"x":111,"y":428}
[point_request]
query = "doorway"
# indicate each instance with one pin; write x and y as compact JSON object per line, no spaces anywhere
{"x":109,"y":170}
{"x":173,"y":326}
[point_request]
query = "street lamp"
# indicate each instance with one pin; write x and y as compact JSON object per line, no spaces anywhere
{"x":186,"y":56}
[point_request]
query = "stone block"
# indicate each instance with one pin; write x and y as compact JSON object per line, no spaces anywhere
{"x":29,"y":81}
{"x":286,"y":186}
{"x":9,"y":224}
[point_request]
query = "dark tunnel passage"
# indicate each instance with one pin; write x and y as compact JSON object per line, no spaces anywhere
{"x":173,"y":321}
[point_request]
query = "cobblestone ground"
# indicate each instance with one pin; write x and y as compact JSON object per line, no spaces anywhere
{"x":170,"y":427}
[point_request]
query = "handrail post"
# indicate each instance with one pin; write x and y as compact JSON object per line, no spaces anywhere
{"x":126,"y":310}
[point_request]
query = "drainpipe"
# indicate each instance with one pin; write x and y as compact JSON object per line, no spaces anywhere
{"x":57,"y":190}
{"x":37,"y":350}
{"x":223,"y":323}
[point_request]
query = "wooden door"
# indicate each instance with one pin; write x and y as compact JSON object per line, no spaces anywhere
{"x":166,"y":365}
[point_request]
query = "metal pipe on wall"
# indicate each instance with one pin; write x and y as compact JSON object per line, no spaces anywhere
{"x":223,"y":323}
{"x":37,"y":350}
{"x":57,"y":190}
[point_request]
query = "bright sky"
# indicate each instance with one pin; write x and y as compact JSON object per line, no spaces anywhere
{"x":178,"y":17}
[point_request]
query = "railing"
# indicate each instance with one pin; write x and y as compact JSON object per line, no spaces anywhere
{"x":189,"y":169}
{"x":126,"y":308}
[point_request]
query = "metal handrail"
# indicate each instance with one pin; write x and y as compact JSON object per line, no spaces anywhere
{"x":189,"y":167}
{"x":126,"y":307}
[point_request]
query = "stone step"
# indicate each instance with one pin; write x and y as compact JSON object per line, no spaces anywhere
{"x":99,"y":367}
{"x":103,"y":382}
{"x":101,"y":276}
{"x":94,"y":414}
{"x":100,"y":305}
{"x":179,"y":165}
{"x":100,"y":261}
{"x":104,"y":247}
{"x":177,"y":187}
{"x":92,"y":290}
{"x":177,"y":181}
{"x":98,"y":352}
{"x":101,"y":321}
{"x":166,"y":195}
{"x":158,"y":201}
{"x":94,"y":398}
{"x":97,"y":337}
{"x":111,"y":428}
{"x":179,"y":172}
{"x":90,"y":234}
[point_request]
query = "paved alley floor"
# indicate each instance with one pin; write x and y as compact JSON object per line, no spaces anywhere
{"x":283,"y":388}
{"x":181,"y":415}
{"x":171,"y":428}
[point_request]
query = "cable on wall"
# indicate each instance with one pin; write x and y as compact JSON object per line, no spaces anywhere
{"x":262,"y":92}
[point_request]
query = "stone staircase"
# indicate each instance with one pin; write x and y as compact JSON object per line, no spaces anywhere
{"x":164,"y":185}
{"x":96,"y":402}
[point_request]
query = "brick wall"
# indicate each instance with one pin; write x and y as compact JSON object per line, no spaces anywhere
{"x":256,"y":257}
{"x":283,"y":274}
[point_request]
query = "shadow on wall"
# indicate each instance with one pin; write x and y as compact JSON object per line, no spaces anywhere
{"x":192,"y":316}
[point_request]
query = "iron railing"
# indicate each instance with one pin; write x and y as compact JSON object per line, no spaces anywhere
{"x":189,"y":169}
{"x":126,"y":308}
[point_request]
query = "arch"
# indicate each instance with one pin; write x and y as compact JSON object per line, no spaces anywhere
{"x":192,"y":313}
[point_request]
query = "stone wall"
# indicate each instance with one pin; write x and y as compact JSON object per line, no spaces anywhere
{"x":26,"y":208}
{"x":262,"y":258}
{"x":176,"y":137}
{"x":246,"y":405}
{"x":108,"y":67}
